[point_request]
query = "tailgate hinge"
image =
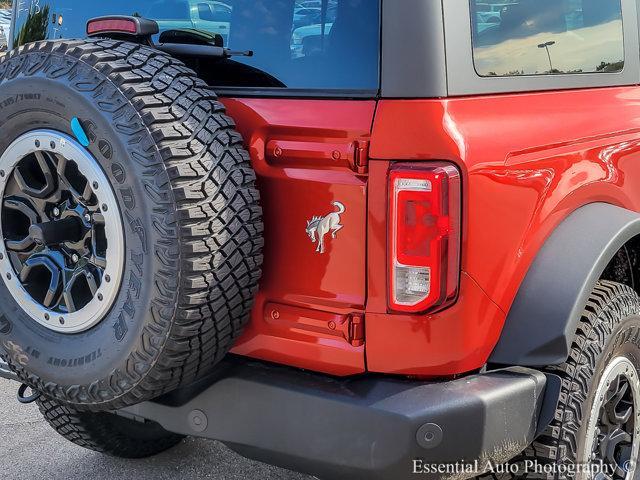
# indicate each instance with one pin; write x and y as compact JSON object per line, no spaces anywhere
{"x":361,"y":156}
{"x":356,"y":329}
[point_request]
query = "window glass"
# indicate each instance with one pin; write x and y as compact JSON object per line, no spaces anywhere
{"x":297,"y":44}
{"x":542,"y":37}
{"x":5,"y":25}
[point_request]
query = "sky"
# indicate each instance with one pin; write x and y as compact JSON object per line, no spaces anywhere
{"x":580,"y":49}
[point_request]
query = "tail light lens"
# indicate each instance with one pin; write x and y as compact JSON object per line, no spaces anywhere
{"x":424,"y":213}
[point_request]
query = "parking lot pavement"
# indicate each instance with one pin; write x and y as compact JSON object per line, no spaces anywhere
{"x":29,"y":448}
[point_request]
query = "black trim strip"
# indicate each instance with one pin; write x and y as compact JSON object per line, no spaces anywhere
{"x":297,"y":93}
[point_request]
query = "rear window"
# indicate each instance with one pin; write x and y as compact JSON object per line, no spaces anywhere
{"x":297,"y":44}
{"x":543,"y":37}
{"x":5,"y":25}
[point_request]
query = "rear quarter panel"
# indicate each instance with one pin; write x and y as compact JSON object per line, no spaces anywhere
{"x":528,"y":160}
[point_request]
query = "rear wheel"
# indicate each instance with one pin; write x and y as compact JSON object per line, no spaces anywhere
{"x":596,"y":429}
{"x":595,"y":434}
{"x":107,"y":433}
{"x":131,"y":230}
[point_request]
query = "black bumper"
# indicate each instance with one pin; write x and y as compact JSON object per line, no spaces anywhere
{"x":369,"y":427}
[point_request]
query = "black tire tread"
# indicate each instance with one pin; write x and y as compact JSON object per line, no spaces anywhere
{"x":206,"y":193}
{"x":107,"y":433}
{"x":609,"y":303}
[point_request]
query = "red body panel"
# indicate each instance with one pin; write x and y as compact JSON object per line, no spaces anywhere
{"x":303,"y":154}
{"x":527,"y":161}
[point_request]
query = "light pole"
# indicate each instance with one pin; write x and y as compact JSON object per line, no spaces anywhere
{"x":546,"y":46}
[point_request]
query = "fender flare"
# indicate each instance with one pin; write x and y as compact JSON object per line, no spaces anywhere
{"x":542,"y":321}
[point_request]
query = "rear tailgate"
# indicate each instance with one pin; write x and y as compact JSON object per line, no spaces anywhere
{"x":308,"y":312}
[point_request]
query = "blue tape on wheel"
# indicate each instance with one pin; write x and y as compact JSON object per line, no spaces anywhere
{"x":78,"y":131}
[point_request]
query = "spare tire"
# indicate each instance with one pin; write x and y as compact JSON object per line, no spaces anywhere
{"x":131,"y":227}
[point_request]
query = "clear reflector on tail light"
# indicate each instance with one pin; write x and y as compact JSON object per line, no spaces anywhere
{"x":424,"y":214}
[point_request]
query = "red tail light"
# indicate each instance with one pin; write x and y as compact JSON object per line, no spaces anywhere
{"x":424,"y":215}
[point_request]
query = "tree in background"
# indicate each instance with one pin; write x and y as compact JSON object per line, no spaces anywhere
{"x":34,"y":28}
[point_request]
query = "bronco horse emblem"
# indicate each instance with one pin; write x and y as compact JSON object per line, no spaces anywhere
{"x":321,"y":226}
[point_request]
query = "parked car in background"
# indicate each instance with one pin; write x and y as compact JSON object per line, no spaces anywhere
{"x":489,"y":14}
{"x":305,"y":16}
{"x":308,"y":4}
{"x":207,"y":15}
{"x":487,"y":20}
{"x":308,"y":40}
{"x":312,"y":27}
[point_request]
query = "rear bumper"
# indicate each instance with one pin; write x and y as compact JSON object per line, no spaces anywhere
{"x":370,"y":427}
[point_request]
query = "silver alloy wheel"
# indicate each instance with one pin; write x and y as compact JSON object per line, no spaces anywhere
{"x":617,"y":403}
{"x":49,"y":205}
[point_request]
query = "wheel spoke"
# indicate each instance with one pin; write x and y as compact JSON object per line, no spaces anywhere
{"x":75,"y":295}
{"x":98,"y":218}
{"x":61,"y":166}
{"x":68,"y":301}
{"x":27,"y":178}
{"x":21,"y":208}
{"x":31,"y":275}
{"x":602,"y":476}
{"x":615,"y":431}
{"x":98,"y":258}
{"x":619,"y":436}
{"x":87,"y":193}
{"x":622,"y":390}
{"x":75,"y":183}
{"x":21,"y":204}
{"x":51,"y":296}
{"x":91,"y":281}
{"x":19,"y":245}
{"x":623,"y":417}
{"x":99,"y":261}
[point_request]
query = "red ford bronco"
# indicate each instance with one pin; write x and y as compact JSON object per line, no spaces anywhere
{"x":353,"y":238}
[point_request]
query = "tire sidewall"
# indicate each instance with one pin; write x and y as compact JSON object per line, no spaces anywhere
{"x":623,"y":341}
{"x":122,"y":145}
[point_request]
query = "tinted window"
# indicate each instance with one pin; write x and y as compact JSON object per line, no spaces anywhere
{"x":297,"y":44}
{"x":5,"y":27}
{"x":168,"y":10}
{"x":541,"y":37}
{"x":214,"y":12}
